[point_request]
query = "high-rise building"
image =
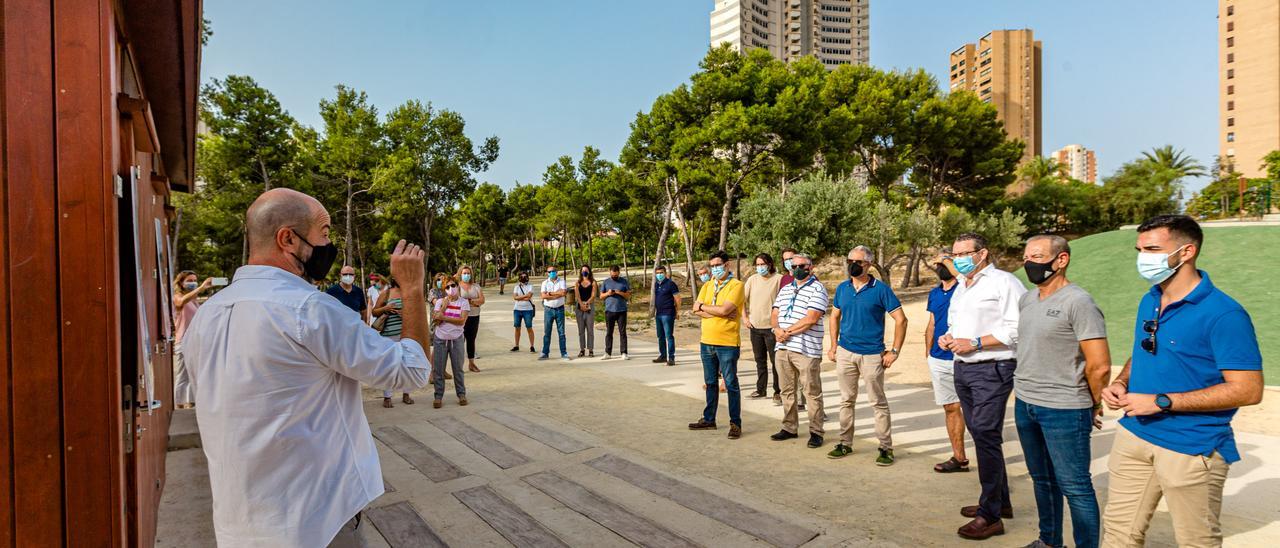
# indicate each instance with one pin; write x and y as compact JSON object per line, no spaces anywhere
{"x":1249,"y":83}
{"x":1003,"y":68}
{"x":837,"y":32}
{"x":1078,"y":163}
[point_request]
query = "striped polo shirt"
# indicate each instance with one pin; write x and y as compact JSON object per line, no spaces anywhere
{"x":794,"y":301}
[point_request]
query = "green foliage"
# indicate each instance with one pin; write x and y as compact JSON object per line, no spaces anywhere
{"x":1138,"y":191}
{"x":771,"y":221}
{"x":1174,"y":160}
{"x":1054,"y":206}
{"x":961,"y":154}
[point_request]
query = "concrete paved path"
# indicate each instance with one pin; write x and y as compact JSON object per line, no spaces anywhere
{"x":530,"y":448}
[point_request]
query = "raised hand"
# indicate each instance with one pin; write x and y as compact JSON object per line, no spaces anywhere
{"x":408,"y":265}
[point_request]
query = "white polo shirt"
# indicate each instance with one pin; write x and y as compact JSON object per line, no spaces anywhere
{"x":549,"y":286}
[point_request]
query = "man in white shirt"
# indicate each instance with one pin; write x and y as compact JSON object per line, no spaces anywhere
{"x":277,"y":368}
{"x":553,"y":290}
{"x":983,"y":335}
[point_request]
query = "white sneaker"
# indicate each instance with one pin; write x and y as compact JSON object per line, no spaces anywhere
{"x":565,"y":358}
{"x":625,"y":357}
{"x":607,"y":357}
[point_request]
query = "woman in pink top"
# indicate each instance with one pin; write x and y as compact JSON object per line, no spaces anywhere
{"x":450,"y":316}
{"x":185,"y":291}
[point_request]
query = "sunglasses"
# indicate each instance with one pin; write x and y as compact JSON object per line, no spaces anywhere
{"x":1150,"y":327}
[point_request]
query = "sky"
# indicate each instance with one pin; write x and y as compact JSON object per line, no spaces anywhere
{"x":550,"y":77}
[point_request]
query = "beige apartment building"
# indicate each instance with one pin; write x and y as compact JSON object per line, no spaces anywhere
{"x":837,"y":32}
{"x":1003,"y":68}
{"x":1078,"y":163}
{"x":1249,"y":83}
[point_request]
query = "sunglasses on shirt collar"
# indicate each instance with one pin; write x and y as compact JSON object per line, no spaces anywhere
{"x":1150,"y":327}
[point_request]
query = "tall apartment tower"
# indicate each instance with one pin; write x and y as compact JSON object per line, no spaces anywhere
{"x":1249,"y":83}
{"x":1078,"y":163}
{"x":1003,"y":68}
{"x":837,"y":32}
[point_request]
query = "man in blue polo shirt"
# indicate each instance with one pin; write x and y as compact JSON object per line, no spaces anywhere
{"x":1195,"y":361}
{"x":942,"y":366}
{"x":666,"y":304}
{"x":857,"y":327}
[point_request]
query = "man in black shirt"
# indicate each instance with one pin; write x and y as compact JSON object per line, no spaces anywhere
{"x":348,"y":293}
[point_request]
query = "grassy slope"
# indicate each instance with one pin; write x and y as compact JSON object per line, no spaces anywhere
{"x":1242,"y":261}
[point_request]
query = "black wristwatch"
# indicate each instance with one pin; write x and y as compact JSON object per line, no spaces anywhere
{"x":1164,"y":403}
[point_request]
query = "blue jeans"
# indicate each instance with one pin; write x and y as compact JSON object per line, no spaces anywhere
{"x":722,"y":360}
{"x":553,"y":316}
{"x":1056,"y":445}
{"x":666,"y":337}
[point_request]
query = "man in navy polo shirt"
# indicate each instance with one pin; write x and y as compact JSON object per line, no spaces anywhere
{"x":1195,"y":361}
{"x":666,"y":305}
{"x":857,"y":327}
{"x":942,"y":367}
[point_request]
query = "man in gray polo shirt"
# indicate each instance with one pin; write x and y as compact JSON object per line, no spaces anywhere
{"x":1063,"y":365}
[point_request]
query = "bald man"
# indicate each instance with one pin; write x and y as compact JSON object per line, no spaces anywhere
{"x":278,"y":367}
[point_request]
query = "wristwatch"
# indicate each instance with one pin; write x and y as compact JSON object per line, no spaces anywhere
{"x":1164,"y":403}
{"x":894,"y":350}
{"x":976,"y":342}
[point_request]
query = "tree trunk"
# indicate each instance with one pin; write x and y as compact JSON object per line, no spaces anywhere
{"x":346,"y":253}
{"x":425,"y":225}
{"x":725,"y":212}
{"x":688,"y":241}
{"x":266,"y":177}
{"x":911,"y":273}
{"x":626,"y":271}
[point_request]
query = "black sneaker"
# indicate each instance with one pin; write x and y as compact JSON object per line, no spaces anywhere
{"x":659,"y":359}
{"x":756,"y":395}
{"x":515,"y":349}
{"x":815,"y":441}
{"x":671,"y":363}
{"x":531,"y":349}
{"x":784,"y":435}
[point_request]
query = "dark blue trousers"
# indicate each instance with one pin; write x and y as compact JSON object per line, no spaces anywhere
{"x":984,"y":390}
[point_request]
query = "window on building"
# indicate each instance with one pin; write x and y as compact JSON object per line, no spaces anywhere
{"x":1231,"y":25}
{"x":1231,"y":90}
{"x":1231,"y":73}
{"x":1231,"y":41}
{"x":1231,"y":105}
{"x":1231,"y":137}
{"x":1231,"y":122}
{"x":1231,"y":57}
{"x":953,"y":68}
{"x":1231,"y":10}
{"x":985,"y":82}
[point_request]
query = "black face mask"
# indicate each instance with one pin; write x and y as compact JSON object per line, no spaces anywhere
{"x":800,"y":272}
{"x":1039,"y":273}
{"x":321,"y":260}
{"x":524,"y":279}
{"x":855,"y":269}
{"x":945,"y":274}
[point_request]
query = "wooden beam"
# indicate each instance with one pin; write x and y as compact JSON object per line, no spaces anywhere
{"x":508,"y":519}
{"x":551,"y":438}
{"x":403,"y":527}
{"x":497,"y":452}
{"x":611,"y":515}
{"x":427,"y":461}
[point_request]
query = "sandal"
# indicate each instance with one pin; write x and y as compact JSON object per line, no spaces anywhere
{"x":386,"y":402}
{"x":472,"y":368}
{"x":951,"y":465}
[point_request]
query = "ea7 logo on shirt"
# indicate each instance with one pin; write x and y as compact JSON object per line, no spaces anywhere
{"x":1052,"y":313}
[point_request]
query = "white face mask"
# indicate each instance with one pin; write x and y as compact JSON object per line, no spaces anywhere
{"x":348,"y":279}
{"x":1154,"y":267}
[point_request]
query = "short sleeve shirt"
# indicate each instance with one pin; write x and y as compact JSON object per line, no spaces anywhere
{"x":446,"y":331}
{"x":795,"y":300}
{"x":939,"y":302}
{"x":353,"y":299}
{"x":1197,"y":339}
{"x":862,"y":315}
{"x":522,"y":289}
{"x":722,"y":331}
{"x":664,"y":297}
{"x":615,"y":303}
{"x":547,"y":287}
{"x":1051,"y":367}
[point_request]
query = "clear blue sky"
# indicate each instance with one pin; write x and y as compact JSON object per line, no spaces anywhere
{"x":548,"y":78}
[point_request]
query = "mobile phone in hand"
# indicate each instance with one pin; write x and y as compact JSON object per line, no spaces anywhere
{"x":219,"y":281}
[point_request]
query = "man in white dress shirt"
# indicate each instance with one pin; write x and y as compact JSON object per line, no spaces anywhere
{"x":983,"y":335}
{"x":277,"y":367}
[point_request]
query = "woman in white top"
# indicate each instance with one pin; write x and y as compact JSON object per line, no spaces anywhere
{"x":474,"y":294}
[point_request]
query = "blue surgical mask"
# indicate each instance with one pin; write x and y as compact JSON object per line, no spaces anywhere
{"x":553,"y":275}
{"x":787,"y":265}
{"x":964,"y":265}
{"x":717,"y":271}
{"x":762,"y":270}
{"x":705,"y":278}
{"x":1154,"y":267}
{"x":466,"y":278}
{"x":190,"y":286}
{"x":437,"y":284}
{"x":660,"y":277}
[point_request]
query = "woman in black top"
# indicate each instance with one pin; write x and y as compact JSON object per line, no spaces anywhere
{"x":586,"y":312}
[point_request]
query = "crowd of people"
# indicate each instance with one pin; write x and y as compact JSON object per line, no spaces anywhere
{"x":269,"y":357}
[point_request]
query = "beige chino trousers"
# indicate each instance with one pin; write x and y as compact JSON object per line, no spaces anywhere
{"x":850,"y":368}
{"x":1142,"y":473}
{"x":795,"y":369}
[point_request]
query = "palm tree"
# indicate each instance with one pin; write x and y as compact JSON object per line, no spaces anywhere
{"x":1041,"y":168}
{"x":1177,"y":161}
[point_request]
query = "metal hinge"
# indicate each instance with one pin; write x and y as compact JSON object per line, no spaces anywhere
{"x":119,"y":186}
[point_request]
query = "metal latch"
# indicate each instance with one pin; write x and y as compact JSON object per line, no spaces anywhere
{"x":128,"y":418}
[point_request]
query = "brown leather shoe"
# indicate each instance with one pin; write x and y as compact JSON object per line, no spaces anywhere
{"x":462,"y":400}
{"x":979,"y":529}
{"x":735,"y":431}
{"x":437,"y":404}
{"x":407,"y":400}
{"x":702,"y":425}
{"x":972,"y":512}
{"x":386,"y":402}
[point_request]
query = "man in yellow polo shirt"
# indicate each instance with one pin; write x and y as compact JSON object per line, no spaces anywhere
{"x":719,"y":304}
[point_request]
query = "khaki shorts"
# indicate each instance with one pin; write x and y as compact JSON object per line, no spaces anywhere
{"x":943,"y":373}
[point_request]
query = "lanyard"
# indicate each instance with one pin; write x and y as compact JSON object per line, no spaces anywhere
{"x":796,"y":293}
{"x":719,"y":286}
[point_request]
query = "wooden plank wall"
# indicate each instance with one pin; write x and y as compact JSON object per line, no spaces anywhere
{"x":61,"y":459}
